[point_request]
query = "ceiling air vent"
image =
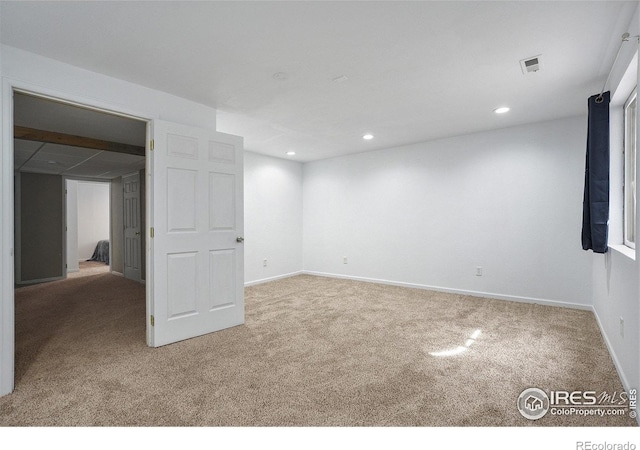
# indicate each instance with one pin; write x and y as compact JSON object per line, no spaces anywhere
{"x":532,"y":64}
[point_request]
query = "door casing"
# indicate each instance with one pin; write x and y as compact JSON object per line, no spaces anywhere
{"x":7,"y":245}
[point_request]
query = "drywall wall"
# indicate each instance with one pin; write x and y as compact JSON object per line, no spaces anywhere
{"x":273,"y":217}
{"x":117,"y":226}
{"x":616,"y":274}
{"x":41,"y":206}
{"x":48,"y":76}
{"x":508,"y":201}
{"x":72,"y":225}
{"x":93,"y":217}
{"x":615,"y":296}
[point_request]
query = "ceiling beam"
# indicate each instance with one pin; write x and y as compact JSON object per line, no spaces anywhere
{"x":31,"y":134}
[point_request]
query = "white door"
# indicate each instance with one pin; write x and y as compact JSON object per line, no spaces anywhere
{"x":197,"y":284}
{"x":131,"y":218}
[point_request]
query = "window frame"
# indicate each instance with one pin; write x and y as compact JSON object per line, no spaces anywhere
{"x":630,"y":151}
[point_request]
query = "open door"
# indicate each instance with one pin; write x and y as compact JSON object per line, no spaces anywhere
{"x":132,"y":229}
{"x":197,"y":274}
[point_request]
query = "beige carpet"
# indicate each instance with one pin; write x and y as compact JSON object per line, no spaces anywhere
{"x":313,"y":351}
{"x":89,"y":268}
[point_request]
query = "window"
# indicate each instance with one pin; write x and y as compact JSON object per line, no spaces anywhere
{"x":630,"y":111}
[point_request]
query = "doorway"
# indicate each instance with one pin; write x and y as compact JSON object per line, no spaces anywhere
{"x":88,"y":227}
{"x":87,"y":152}
{"x":68,"y":168}
{"x":194,"y":226}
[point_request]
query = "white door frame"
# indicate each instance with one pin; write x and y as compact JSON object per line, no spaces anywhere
{"x":7,"y":299}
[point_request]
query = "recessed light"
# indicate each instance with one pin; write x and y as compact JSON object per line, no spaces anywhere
{"x":367,"y":137}
{"x":501,"y":110}
{"x":291,"y":153}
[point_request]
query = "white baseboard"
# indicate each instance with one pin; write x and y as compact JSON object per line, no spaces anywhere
{"x":513,"y":298}
{"x":278,"y":277}
{"x":120,"y":274}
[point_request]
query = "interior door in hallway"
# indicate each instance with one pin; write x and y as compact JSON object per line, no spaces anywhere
{"x":197,"y":244}
{"x":132,"y":229}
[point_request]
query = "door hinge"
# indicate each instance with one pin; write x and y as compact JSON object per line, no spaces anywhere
{"x":151,"y":231}
{"x":153,"y":322}
{"x":151,"y":144}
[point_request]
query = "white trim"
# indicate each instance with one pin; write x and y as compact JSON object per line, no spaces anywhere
{"x":629,"y":148}
{"x":624,"y":250}
{"x":513,"y":298}
{"x":81,"y":179}
{"x":17,"y":224}
{"x":278,"y":277}
{"x":64,"y":228}
{"x":149,"y":198}
{"x":7,"y":306}
{"x":70,"y":99}
{"x":113,"y":272}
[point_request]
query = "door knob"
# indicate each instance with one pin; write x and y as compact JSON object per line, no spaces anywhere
{"x":239,"y":239}
{"x":137,"y":233}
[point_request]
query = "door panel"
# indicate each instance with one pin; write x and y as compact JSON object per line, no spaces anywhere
{"x":132,"y":229}
{"x":222,"y":215}
{"x":198,"y":276}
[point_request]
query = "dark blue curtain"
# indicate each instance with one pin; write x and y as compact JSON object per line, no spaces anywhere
{"x":595,"y":213}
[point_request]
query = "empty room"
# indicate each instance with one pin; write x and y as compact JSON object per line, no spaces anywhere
{"x":356,"y":214}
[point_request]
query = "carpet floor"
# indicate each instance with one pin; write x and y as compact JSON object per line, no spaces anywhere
{"x":313,"y":352}
{"x":89,"y":268}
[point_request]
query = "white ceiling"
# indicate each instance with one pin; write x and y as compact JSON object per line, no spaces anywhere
{"x":415,"y":70}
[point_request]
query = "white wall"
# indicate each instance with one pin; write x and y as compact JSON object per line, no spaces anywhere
{"x":72,"y":225}
{"x":24,"y":70}
{"x":48,"y":76}
{"x":616,"y":274}
{"x":93,"y":217}
{"x":615,"y":295}
{"x":427,"y":214}
{"x":273,"y":217}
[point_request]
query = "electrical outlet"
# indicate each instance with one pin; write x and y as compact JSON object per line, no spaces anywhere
{"x":264,"y":263}
{"x":478,"y":271}
{"x":345,"y":260}
{"x":621,"y":327}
